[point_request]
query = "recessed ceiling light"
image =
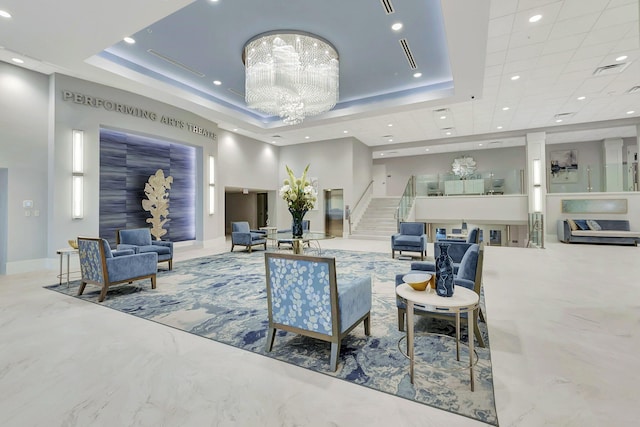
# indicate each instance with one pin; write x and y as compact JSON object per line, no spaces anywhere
{"x":217,"y":82}
{"x":630,"y":112}
{"x":235,"y":129}
{"x":559,"y":121}
{"x":443,"y":117}
{"x":535,"y":18}
{"x":307,"y":137}
{"x":17,"y":60}
{"x":480,"y":144}
{"x":397,"y":26}
{"x":129,"y":40}
{"x":416,"y":75}
{"x":499,"y":127}
{"x":213,"y":1}
{"x":426,"y":149}
{"x":5,"y":14}
{"x":390,"y":140}
{"x":621,"y":58}
{"x":505,"y":108}
{"x":582,"y":98}
{"x":448,"y":133}
{"x":390,"y":124}
{"x":345,"y":131}
{"x":515,"y":77}
{"x":382,"y":154}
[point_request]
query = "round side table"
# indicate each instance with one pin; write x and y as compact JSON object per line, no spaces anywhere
{"x":463,"y":301}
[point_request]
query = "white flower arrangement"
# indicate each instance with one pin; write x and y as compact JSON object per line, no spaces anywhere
{"x":298,"y":192}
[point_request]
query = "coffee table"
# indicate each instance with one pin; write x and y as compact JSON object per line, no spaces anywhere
{"x":463,"y":301}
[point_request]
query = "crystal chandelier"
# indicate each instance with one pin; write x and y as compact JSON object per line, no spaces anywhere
{"x":290,"y":74}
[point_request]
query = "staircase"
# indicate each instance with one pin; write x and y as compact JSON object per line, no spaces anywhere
{"x":379,"y":221}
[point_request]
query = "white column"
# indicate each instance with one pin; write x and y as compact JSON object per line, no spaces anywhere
{"x":536,"y":171}
{"x":612,"y":159}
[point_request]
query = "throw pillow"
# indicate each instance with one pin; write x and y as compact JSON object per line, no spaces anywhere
{"x":582,"y":224}
{"x":593,"y":225}
{"x":572,"y":225}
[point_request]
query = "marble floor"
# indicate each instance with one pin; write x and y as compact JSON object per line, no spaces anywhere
{"x":564,"y":326}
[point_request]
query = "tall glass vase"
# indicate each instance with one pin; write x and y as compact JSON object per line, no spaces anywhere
{"x":296,"y":226}
{"x":444,"y":272}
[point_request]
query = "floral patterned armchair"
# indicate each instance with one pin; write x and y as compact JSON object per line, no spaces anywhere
{"x":103,"y":267}
{"x":304,"y":298}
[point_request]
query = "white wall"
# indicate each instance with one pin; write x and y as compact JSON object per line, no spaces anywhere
{"x":331,"y":162}
{"x":503,"y":162}
{"x":24,"y":109}
{"x":507,"y":209}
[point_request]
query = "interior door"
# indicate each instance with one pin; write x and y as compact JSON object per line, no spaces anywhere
{"x":263,"y":209}
{"x":334,"y":212}
{"x":379,"y":180}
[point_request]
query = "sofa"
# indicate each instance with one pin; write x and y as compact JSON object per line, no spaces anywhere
{"x":599,"y":231}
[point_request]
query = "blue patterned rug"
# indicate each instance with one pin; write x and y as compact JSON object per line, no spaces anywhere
{"x":223,"y":298}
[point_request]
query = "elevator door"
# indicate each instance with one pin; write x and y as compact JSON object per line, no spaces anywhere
{"x":333,"y":212}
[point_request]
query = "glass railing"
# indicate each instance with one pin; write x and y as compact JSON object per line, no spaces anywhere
{"x":509,"y":181}
{"x":594,"y":178}
{"x":406,"y":201}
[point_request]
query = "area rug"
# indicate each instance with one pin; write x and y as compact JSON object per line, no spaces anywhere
{"x":222,"y":297}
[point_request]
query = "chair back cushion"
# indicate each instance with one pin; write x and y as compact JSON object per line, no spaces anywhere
{"x":412,"y":228}
{"x":135,"y":236}
{"x":472,"y":237}
{"x":240,"y":227}
{"x":91,"y":267}
{"x":469,"y":263}
{"x":299,"y":291}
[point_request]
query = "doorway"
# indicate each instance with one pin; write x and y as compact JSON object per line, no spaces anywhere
{"x":379,"y":180}
{"x":263,"y":209}
{"x":334,"y":212}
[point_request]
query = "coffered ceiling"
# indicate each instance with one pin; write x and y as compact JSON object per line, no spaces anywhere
{"x":488,"y":74}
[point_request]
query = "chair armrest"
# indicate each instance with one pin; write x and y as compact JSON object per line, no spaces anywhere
{"x":164,"y":243}
{"x":124,"y":246}
{"x":121,"y":252}
{"x":240,"y":238}
{"x":259,"y":231}
{"x":423,"y":266}
{"x":130,"y":266}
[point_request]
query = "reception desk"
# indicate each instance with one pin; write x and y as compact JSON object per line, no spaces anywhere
{"x":466,"y":186}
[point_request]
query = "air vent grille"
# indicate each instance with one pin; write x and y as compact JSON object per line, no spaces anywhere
{"x":610,"y":69}
{"x":563,"y":115}
{"x":441,"y":110}
{"x":408,"y":54}
{"x":635,"y":89}
{"x":174,"y":62}
{"x":388,"y":7}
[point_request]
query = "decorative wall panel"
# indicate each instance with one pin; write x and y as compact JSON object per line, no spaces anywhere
{"x":126,"y":163}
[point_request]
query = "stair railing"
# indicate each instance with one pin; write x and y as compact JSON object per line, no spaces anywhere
{"x":359,"y":208}
{"x":406,"y":201}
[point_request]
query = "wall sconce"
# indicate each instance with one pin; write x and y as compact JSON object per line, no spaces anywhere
{"x":212,"y":186}
{"x":537,"y":189}
{"x":77,"y":199}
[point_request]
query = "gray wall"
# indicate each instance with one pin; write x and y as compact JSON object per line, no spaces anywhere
{"x":24,"y":109}
{"x":503,"y":162}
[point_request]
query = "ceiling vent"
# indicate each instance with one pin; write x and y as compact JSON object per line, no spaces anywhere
{"x":407,"y":52}
{"x":635,"y":89}
{"x":441,"y":111}
{"x":174,"y":62}
{"x":610,"y":69}
{"x":562,"y":116}
{"x":388,"y":7}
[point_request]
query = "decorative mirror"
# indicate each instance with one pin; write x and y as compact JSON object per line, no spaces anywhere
{"x":463,"y":167}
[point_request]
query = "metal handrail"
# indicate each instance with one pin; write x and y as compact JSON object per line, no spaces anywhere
{"x":357,"y":204}
{"x":406,"y":201}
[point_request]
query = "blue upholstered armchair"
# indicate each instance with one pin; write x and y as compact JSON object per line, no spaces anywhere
{"x":242,"y":235}
{"x":411,"y":238}
{"x":305,"y":298}
{"x":139,"y":240}
{"x":100,"y":266}
{"x":468,"y":274}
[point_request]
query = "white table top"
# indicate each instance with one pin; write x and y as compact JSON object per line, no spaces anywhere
{"x":462,"y":297}
{"x":268,"y":228}
{"x":68,"y":250}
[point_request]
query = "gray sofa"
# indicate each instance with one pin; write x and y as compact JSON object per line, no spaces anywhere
{"x":613,"y":231}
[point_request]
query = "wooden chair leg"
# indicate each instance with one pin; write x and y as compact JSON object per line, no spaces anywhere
{"x":271,"y":334}
{"x":81,"y":288}
{"x":232,"y":245}
{"x":170,"y":264}
{"x":367,"y":325}
{"x":401,"y":322}
{"x":153,"y":281}
{"x":335,"y":352}
{"x":103,"y":292}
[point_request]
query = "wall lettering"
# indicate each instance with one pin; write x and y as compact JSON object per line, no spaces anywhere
{"x":92,"y":101}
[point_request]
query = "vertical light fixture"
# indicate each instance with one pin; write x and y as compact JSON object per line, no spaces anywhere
{"x":212,"y":186}
{"x":537,"y":189}
{"x":77,"y":199}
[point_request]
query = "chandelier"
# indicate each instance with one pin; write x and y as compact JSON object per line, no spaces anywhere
{"x":290,"y":74}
